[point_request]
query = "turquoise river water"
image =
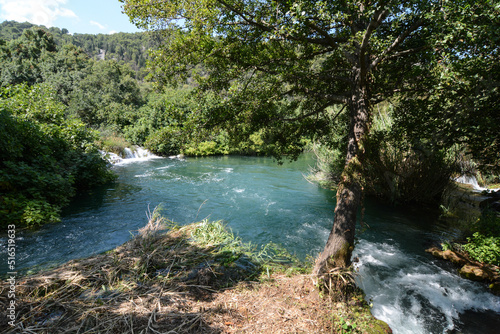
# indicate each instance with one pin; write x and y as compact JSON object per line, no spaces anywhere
{"x":262,"y":202}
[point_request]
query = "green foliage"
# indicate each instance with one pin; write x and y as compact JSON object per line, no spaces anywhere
{"x":106,"y":96}
{"x":113,"y":143}
{"x":394,"y":169}
{"x":346,"y":326}
{"x":462,"y":105}
{"x":130,"y":48}
{"x":404,"y":173}
{"x":228,"y":249}
{"x":39,"y":212}
{"x":165,"y":141}
{"x":483,"y":249}
{"x":488,"y":224}
{"x":484,"y":243}
{"x":45,"y":158}
{"x":21,"y":58}
{"x":101,"y":93}
{"x":203,"y":149}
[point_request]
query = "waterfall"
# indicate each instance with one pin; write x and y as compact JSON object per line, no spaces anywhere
{"x":415,"y":295}
{"x":471,"y":180}
{"x":135,"y":153}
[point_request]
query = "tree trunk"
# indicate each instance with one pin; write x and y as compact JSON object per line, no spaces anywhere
{"x":338,"y":250}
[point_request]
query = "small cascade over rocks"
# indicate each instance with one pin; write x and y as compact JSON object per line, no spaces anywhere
{"x":487,"y":199}
{"x":136,"y":153}
{"x":470,"y":180}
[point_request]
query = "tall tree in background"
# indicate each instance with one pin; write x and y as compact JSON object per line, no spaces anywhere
{"x":280,"y":66}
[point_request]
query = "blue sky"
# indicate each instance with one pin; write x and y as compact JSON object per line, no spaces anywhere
{"x":78,"y":16}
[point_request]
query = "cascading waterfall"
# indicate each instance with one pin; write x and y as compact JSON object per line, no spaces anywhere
{"x":415,"y":295}
{"x":135,"y":153}
{"x":471,"y":180}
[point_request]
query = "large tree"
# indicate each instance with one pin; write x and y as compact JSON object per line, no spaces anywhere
{"x":281,"y":67}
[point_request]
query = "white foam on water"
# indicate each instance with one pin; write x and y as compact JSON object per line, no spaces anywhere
{"x":131,"y":155}
{"x":413,"y":295}
{"x":471,"y":180}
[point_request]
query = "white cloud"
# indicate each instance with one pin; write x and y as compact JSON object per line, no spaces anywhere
{"x":42,"y":12}
{"x":97,"y":24}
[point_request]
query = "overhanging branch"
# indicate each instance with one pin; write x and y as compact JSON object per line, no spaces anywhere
{"x":400,"y":39}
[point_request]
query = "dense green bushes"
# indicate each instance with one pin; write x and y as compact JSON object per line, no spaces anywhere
{"x":45,"y":158}
{"x":395,"y":169}
{"x":484,"y":248}
{"x":484,"y":243}
{"x":105,"y":96}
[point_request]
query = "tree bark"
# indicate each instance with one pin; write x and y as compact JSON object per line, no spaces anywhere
{"x":340,"y":244}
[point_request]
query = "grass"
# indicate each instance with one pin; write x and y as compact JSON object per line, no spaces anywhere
{"x":114,"y":143}
{"x":198,"y":278}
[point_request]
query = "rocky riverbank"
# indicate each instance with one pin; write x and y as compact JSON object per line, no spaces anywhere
{"x":470,"y":269}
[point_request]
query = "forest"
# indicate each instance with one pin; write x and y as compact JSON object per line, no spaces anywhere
{"x":425,"y":105}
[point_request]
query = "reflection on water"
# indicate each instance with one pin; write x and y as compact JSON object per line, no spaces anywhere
{"x":263,"y":202}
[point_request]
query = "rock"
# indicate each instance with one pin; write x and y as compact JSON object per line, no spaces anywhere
{"x":472,"y":270}
{"x":486,"y":204}
{"x":379,"y":327}
{"x":475,"y":273}
{"x":448,"y":255}
{"x":495,"y":194}
{"x":454,"y":257}
{"x":495,"y":206}
{"x":434,"y":251}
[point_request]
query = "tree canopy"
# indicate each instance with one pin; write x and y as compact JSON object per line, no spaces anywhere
{"x":280,"y":66}
{"x":461,"y":107}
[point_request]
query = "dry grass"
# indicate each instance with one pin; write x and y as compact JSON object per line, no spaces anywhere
{"x":183,"y":281}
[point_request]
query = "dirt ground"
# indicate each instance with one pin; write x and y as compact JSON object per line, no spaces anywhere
{"x":280,"y":305}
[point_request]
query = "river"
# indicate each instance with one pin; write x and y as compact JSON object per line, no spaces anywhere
{"x":261,"y":202}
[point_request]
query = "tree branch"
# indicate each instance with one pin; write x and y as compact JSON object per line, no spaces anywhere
{"x":378,"y":17}
{"x":400,"y":39}
{"x":333,"y":41}
{"x":326,"y":40}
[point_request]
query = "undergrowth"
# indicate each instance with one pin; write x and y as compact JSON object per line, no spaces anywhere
{"x":483,"y":242}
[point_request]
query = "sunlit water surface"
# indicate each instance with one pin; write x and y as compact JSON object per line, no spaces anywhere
{"x":263,"y":202}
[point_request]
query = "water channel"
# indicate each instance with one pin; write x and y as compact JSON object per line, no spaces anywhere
{"x":263,"y":202}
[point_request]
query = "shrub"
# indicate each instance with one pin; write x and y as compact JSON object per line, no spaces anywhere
{"x":44,"y":157}
{"x":394,"y":169}
{"x":483,"y":249}
{"x":165,"y":141}
{"x":113,"y":143}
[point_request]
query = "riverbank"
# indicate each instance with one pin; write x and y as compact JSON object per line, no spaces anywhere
{"x":474,"y":252}
{"x":199,"y":278}
{"x":470,"y":269}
